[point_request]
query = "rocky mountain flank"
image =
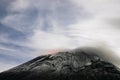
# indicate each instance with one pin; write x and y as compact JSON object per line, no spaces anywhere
{"x":67,"y":65}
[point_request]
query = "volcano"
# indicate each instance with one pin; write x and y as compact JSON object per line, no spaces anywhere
{"x":66,"y":65}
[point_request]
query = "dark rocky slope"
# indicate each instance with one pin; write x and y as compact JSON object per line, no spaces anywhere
{"x":63,"y":66}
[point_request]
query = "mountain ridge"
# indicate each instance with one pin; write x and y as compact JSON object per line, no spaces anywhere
{"x":67,"y":65}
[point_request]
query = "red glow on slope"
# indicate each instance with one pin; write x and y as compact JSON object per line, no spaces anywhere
{"x":53,"y":51}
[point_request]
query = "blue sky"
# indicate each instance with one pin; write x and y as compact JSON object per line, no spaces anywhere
{"x":30,"y":27}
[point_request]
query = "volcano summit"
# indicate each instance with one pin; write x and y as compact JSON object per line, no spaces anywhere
{"x":66,"y":65}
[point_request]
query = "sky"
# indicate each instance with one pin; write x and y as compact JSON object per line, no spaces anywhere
{"x":29,"y":28}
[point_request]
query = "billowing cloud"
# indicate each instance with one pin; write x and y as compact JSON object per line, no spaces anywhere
{"x":102,"y":27}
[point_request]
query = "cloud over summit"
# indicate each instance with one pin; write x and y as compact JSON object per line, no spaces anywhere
{"x":29,"y":26}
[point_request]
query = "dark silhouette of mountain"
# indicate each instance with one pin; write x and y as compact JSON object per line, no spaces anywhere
{"x":68,"y":65}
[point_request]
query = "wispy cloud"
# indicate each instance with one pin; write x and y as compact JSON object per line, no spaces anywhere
{"x":45,"y":19}
{"x":35,"y":25}
{"x":31,"y":15}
